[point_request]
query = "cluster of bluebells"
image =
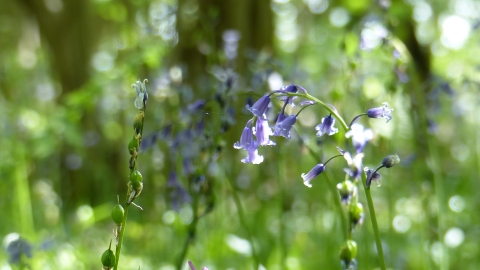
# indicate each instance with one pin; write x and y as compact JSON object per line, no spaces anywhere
{"x":257,"y":133}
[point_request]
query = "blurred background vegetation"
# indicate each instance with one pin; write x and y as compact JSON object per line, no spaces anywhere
{"x":66,"y":111}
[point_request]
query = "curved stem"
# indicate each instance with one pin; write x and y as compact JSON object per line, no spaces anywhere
{"x":326,"y":106}
{"x":373,"y":218}
{"x":325,"y":164}
{"x":369,"y":179}
{"x":355,"y":119}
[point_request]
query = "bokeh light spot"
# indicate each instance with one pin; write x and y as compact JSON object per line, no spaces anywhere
{"x":401,"y":223}
{"x":454,"y":237}
{"x":456,"y":203}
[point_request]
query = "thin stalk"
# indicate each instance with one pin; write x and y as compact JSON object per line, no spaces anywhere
{"x":120,"y":237}
{"x":127,"y":205}
{"x":373,"y":218}
{"x":331,"y":185}
{"x":325,"y":105}
{"x":438,"y":180}
{"x":243,"y":221}
{"x":338,"y":205}
{"x":281,"y":176}
{"x":192,"y":231}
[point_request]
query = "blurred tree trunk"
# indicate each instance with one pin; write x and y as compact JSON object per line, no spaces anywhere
{"x":72,"y":34}
{"x":252,"y":18}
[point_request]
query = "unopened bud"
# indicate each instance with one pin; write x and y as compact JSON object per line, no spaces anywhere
{"x":345,"y":189}
{"x":356,"y":213}
{"x":117,"y":214}
{"x":108,"y":258}
{"x":133,"y":146}
{"x":138,"y":122}
{"x":391,"y":160}
{"x":135,"y":185}
{"x":349,"y":251}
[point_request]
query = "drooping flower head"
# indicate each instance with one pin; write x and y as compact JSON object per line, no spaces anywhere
{"x":253,"y":156}
{"x":248,"y":144}
{"x":390,"y":161}
{"x":260,"y":107}
{"x":246,"y":140}
{"x":354,"y":168}
{"x":142,"y":95}
{"x":287,"y":99}
{"x":283,"y":127}
{"x":380,"y":112}
{"x":263,"y":132}
{"x":318,"y":169}
{"x":360,"y":136}
{"x":376,"y":177}
{"x":326,"y":127}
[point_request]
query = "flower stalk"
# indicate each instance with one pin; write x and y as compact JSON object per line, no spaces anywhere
{"x":373,"y":218}
{"x":133,"y":147}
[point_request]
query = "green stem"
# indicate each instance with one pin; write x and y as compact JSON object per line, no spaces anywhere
{"x":283,"y":200}
{"x":373,"y":218}
{"x":438,"y":180}
{"x":124,"y":222}
{"x":243,"y":221}
{"x":192,"y":231}
{"x":338,"y":205}
{"x":326,"y":106}
{"x":120,"y":237}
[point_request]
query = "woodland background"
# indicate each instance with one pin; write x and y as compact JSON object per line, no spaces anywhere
{"x":66,"y":112}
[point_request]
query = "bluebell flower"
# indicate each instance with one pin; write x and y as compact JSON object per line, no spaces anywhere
{"x":248,"y":144}
{"x":246,"y":140}
{"x":287,"y":99}
{"x":142,"y":95}
{"x":17,"y":248}
{"x":390,"y":161}
{"x":376,"y":177}
{"x":354,"y":163}
{"x":253,"y":156}
{"x":263,"y":132}
{"x":283,"y":127}
{"x":360,"y":136}
{"x":326,"y":127}
{"x":196,"y":106}
{"x":178,"y":194}
{"x":318,"y":169}
{"x":380,"y":112}
{"x":260,"y":107}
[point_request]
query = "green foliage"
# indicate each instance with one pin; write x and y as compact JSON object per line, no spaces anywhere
{"x":66,"y":118}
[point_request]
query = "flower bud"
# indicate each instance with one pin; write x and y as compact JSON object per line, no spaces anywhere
{"x":135,"y":186}
{"x":390,"y":160}
{"x":108,"y":258}
{"x":136,"y":179}
{"x":133,"y":146}
{"x":138,"y":122}
{"x":349,"y":251}
{"x":345,"y":189}
{"x":356,"y":213}
{"x":117,"y":214}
